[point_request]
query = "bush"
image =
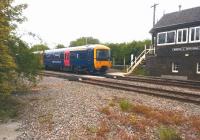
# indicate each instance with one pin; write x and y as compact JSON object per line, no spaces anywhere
{"x":168,"y":134}
{"x":125,"y":105}
{"x":8,"y":108}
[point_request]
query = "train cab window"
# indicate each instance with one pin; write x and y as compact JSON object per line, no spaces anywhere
{"x":175,"y":67}
{"x":103,"y":55}
{"x":198,"y":68}
{"x":182,"y":35}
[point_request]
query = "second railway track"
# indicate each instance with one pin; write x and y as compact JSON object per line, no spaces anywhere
{"x":115,"y":84}
{"x":162,"y":81}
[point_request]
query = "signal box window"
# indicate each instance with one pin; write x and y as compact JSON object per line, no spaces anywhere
{"x":195,"y":34}
{"x":166,"y":38}
{"x":198,"y":68}
{"x":182,"y":35}
{"x":161,"y":38}
{"x":175,"y":67}
{"x":171,"y":37}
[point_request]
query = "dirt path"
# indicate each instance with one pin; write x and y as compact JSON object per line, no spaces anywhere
{"x":9,"y":131}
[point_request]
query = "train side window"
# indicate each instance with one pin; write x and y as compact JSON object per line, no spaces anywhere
{"x":72,"y":56}
{"x":61,"y":56}
{"x":51,"y":56}
{"x":175,"y":67}
{"x":56,"y":56}
{"x":198,"y":68}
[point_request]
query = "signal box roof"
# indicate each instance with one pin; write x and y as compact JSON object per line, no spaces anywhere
{"x":176,"y":18}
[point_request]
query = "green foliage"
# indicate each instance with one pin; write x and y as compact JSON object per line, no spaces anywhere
{"x":9,"y":15}
{"x":168,"y":134}
{"x":17,"y":62}
{"x":84,"y":41}
{"x":8,"y":107}
{"x":124,"y":50}
{"x":28,"y":64}
{"x":39,"y":47}
{"x":140,"y":70}
{"x":7,"y":73}
{"x":125,"y":105}
{"x":60,"y":46}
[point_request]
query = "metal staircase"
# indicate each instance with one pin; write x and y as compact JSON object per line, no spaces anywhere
{"x":139,"y":59}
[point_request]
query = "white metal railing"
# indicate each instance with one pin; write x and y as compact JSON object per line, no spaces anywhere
{"x":139,"y":59}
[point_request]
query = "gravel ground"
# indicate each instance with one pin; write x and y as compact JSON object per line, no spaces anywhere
{"x":62,"y":109}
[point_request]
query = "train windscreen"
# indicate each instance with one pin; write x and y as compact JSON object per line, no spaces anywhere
{"x":103,"y":55}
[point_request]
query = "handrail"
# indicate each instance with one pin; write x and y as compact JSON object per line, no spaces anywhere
{"x":138,"y":59}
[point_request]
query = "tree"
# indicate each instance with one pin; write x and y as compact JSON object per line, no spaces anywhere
{"x":119,"y":51}
{"x":28,"y":64}
{"x":84,"y":41}
{"x":7,"y":67}
{"x":39,"y":47}
{"x":9,"y":15}
{"x":59,"y":46}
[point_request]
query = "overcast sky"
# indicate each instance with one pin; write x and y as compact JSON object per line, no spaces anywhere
{"x":61,"y":21}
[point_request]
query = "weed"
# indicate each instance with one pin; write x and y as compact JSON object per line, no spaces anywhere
{"x":124,"y":120}
{"x":165,"y":117}
{"x":161,"y":118}
{"x":195,"y":121}
{"x":140,"y":125}
{"x":125,"y":105}
{"x":111,"y":103}
{"x":168,"y":134}
{"x":133,"y":119}
{"x":142,"y":109}
{"x":92,"y":129}
{"x":103,"y":129}
{"x":178,"y":119}
{"x":46,"y":121}
{"x":105,"y":110}
{"x":123,"y":135}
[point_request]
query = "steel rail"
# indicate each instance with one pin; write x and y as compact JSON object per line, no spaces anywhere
{"x":115,"y":84}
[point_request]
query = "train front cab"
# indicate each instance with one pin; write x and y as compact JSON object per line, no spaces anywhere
{"x":102,"y":58}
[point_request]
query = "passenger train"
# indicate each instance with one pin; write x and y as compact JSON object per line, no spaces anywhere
{"x":88,"y":58}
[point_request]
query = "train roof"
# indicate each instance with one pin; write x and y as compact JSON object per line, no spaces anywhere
{"x":77,"y":48}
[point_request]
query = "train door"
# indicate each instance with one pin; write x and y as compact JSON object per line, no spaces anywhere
{"x":67,"y":58}
{"x":90,"y":60}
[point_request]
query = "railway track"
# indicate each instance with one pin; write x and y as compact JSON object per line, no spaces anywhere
{"x":161,"y":81}
{"x":115,"y":84}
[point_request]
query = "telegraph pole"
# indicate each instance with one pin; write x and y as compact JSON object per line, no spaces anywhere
{"x":179,"y":7}
{"x":154,"y":13}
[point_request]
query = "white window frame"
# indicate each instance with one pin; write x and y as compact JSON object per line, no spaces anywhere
{"x":198,"y":69}
{"x":173,"y":68}
{"x":194,"y":34}
{"x":166,"y":38}
{"x":182,"y":42}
